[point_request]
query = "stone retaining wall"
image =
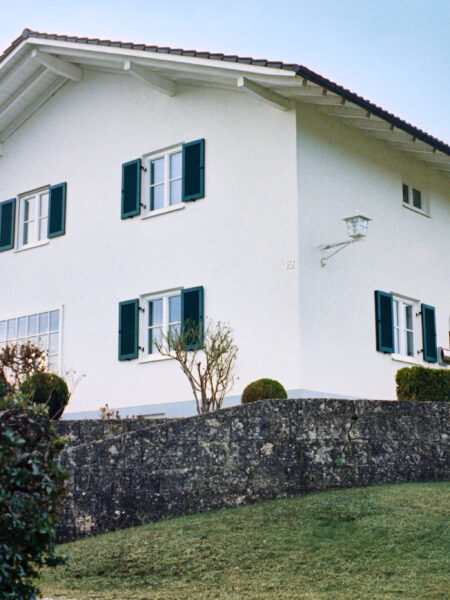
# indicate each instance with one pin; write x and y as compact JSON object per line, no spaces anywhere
{"x":84,"y":431}
{"x":267,"y":449}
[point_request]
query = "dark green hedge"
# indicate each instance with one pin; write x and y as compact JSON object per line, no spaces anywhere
{"x":421,"y":384}
{"x":263,"y":389}
{"x":32,"y":485}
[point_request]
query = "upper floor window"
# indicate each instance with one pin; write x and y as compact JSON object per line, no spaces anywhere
{"x":164,"y":175}
{"x":33,"y":218}
{"x":414,"y":198}
{"x":41,"y":329}
{"x":163,"y":181}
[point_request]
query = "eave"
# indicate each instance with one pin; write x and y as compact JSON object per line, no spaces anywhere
{"x":37,"y":65}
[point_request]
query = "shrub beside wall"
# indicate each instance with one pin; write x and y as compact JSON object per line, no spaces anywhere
{"x":263,"y":389}
{"x":47,"y":389}
{"x":32,"y":485}
{"x":423,"y":384}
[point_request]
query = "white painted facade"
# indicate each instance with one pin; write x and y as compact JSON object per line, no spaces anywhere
{"x":342,"y":173}
{"x":277,"y":185}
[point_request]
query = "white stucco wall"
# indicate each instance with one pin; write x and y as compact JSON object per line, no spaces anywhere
{"x":277,"y":186}
{"x":343,"y":173}
{"x":234,"y":242}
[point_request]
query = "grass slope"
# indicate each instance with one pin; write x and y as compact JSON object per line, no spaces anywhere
{"x":384,"y":542}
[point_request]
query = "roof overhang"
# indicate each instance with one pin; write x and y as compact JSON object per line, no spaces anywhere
{"x":35,"y":68}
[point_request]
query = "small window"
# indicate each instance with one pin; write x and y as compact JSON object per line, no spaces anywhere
{"x":164,"y":180}
{"x":414,"y":198}
{"x":41,"y":329}
{"x":33,"y":218}
{"x":162,"y":314}
{"x":404,"y":315}
{"x":405,"y":193}
{"x":417,"y":199}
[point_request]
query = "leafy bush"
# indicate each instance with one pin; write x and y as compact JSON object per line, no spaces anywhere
{"x":48,"y":389}
{"x":263,"y":389}
{"x":421,"y":383}
{"x":31,"y":490}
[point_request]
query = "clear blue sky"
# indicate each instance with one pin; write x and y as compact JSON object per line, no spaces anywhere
{"x":393,"y":52}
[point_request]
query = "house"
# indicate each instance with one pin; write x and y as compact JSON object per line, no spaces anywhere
{"x":140,"y":184}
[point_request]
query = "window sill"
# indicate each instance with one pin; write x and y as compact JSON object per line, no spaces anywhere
{"x":30,"y":246}
{"x":153,"y":358}
{"x":163,"y":211}
{"x":406,"y":359}
{"x":417,"y":210}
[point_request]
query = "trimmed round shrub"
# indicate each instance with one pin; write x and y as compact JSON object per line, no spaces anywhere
{"x":32,"y":487}
{"x":48,"y":389}
{"x":263,"y":389}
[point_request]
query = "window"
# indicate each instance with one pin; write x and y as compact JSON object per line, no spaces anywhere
{"x":403,"y":327}
{"x":164,"y":174}
{"x":33,"y":218}
{"x":40,"y":215}
{"x":41,"y":329}
{"x":161,"y":315}
{"x":414,"y":198}
{"x":143,"y":320}
{"x":164,"y":180}
{"x":398,"y":328}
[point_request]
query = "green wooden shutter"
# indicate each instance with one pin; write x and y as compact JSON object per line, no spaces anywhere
{"x":57,"y":210}
{"x":131,"y":189}
{"x":430,"y":353}
{"x":192,"y":316}
{"x":128,"y":329}
{"x":384,"y":312}
{"x":193,"y":170}
{"x":7,"y":221}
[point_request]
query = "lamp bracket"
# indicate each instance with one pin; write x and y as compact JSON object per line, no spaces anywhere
{"x":346,"y":243}
{"x":340,"y":246}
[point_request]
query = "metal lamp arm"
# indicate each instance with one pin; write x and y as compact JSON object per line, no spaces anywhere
{"x":340,"y":246}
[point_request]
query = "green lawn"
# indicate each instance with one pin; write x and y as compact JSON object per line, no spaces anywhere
{"x":384,"y":542}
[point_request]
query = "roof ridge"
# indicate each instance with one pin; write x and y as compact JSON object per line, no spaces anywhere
{"x":299,"y":70}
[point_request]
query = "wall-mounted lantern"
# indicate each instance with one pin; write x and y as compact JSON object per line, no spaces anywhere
{"x":357,"y":231}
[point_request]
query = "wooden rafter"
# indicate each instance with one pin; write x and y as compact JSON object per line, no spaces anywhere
{"x":57,"y":66}
{"x":263,"y":93}
{"x":154,"y":80}
{"x":27,"y":113}
{"x":22,"y":92}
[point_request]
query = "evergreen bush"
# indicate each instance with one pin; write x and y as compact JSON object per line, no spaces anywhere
{"x":48,"y":389}
{"x":31,"y":490}
{"x":263,"y":389}
{"x":421,"y":384}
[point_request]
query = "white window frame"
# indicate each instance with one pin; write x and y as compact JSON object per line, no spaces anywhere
{"x":22,"y":198}
{"x":145,"y":192}
{"x":144,"y":299}
{"x":400,"y":345}
{"x":425,"y":209}
{"x":60,"y":310}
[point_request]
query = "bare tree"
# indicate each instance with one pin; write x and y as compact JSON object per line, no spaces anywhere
{"x":18,"y":362}
{"x":208,"y":360}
